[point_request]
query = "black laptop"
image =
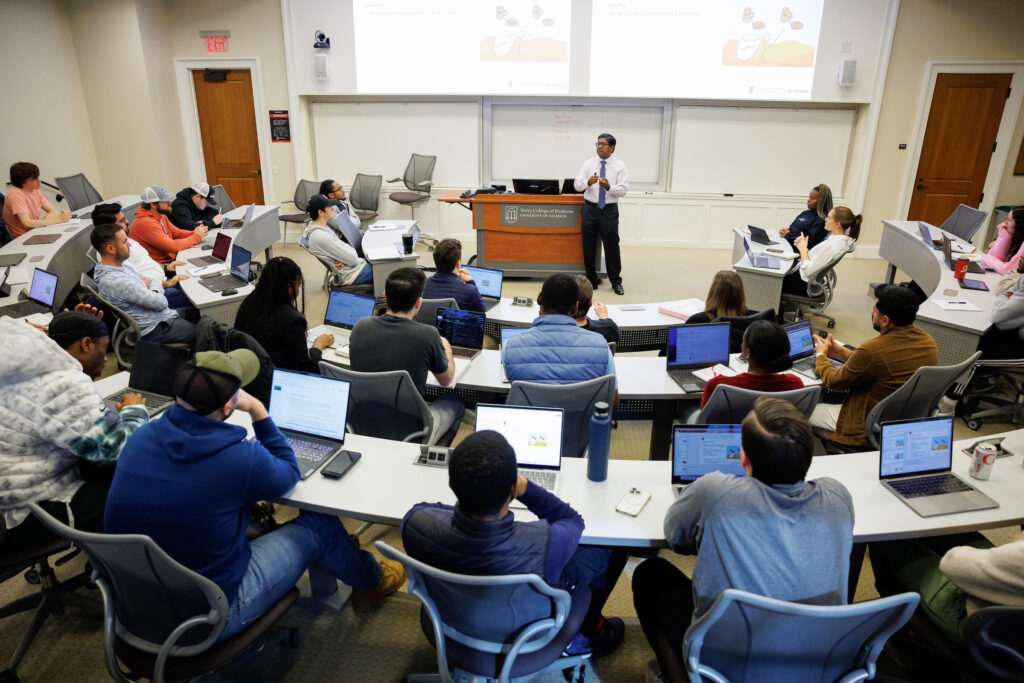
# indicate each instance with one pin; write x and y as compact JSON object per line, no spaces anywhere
{"x":238,"y":275}
{"x":153,"y":371}
{"x":40,"y":296}
{"x":951,"y":259}
{"x":692,"y":347}
{"x":760,"y":235}
{"x":464,"y":330}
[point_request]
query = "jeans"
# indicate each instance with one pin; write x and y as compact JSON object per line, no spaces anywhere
{"x":663,"y":598}
{"x":599,"y":568}
{"x":176,"y":298}
{"x":280,"y":557}
{"x":172,"y":331}
{"x":365,"y":276}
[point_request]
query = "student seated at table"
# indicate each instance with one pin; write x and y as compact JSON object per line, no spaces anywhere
{"x":194,"y":206}
{"x":332,"y":189}
{"x":154,"y":231}
{"x":272,"y":316}
{"x":323,"y":243}
{"x":58,"y":441}
{"x":451,"y":279}
{"x":604,"y":326}
{"x":140,"y":298}
{"x":726,"y":298}
{"x":842,"y":228}
{"x":139,"y":259}
{"x":811,"y":223}
{"x":556,"y":350}
{"x":1005,"y":251}
{"x":1005,"y":339}
{"x":956,"y":575}
{"x":25,"y":207}
{"x":479,"y":536}
{"x":771,"y":533}
{"x":189,"y":480}
{"x":395,"y":341}
{"x":876,"y":368}
{"x":766,"y":347}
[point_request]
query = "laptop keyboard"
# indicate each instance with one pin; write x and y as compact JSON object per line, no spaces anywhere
{"x":929,"y":486}
{"x":222,"y":282}
{"x":154,"y":402}
{"x":462,"y":352}
{"x":687,"y":381}
{"x":310,"y":451}
{"x":491,"y":303}
{"x":543,"y":478}
{"x":22,"y":308}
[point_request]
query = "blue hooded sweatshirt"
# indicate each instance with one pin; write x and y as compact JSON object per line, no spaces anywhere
{"x":188,"y":482}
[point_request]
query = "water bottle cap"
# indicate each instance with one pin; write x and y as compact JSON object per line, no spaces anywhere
{"x":600,"y":407}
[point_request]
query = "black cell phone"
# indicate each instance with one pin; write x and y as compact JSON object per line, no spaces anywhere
{"x":208,"y":247}
{"x":974,"y":284}
{"x":340,"y":464}
{"x":229,"y":292}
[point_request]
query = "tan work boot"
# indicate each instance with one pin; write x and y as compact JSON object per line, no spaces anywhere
{"x":391,"y":579}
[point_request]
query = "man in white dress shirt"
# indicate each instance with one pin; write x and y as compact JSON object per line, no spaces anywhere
{"x":602,"y":180}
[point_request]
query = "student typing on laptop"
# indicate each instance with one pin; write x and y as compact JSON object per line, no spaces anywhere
{"x":451,"y":279}
{"x":771,"y":533}
{"x":189,"y":480}
{"x":273,"y":315}
{"x":480,"y":536}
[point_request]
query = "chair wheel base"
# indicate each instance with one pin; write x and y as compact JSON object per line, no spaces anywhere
{"x":293,"y":640}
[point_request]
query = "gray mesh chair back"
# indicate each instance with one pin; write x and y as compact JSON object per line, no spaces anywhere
{"x":365,"y":195}
{"x":729,"y":405}
{"x":820,"y":291}
{"x":746,"y":637}
{"x":332,"y":278}
{"x":417,"y":179}
{"x":965,"y":221}
{"x":385,"y":405}
{"x":995,"y":639}
{"x":125,"y":332}
{"x":577,"y":400}
{"x":918,"y":397}
{"x":475,"y":616}
{"x":428,"y":310}
{"x":303,"y":191}
{"x":151,"y":602}
{"x":738,"y":324}
{"x":221,"y":199}
{"x":78,"y":191}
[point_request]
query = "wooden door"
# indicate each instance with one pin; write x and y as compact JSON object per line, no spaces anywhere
{"x":958,"y":143}
{"x":227,"y":123}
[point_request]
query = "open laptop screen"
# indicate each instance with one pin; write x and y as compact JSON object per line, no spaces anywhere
{"x":698,"y":346}
{"x":345,"y":310}
{"x":461,"y":328}
{"x":311,"y":404}
{"x":916,"y":447}
{"x":43,"y":288}
{"x":801,"y":341}
{"x":155,"y":366}
{"x":240,"y":262}
{"x":488,"y":281}
{"x":534,"y":433}
{"x":221,"y":246}
{"x":509,"y":332}
{"x":699,"y":449}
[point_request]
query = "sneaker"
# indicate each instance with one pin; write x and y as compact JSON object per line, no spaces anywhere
{"x":391,"y":579}
{"x":654,"y":674}
{"x":946,"y":407}
{"x":605,"y":641}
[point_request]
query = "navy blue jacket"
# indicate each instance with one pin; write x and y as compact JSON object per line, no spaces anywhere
{"x":808,"y":223}
{"x":444,"y":285}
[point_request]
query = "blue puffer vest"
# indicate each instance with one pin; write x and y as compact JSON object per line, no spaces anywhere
{"x":556,"y":351}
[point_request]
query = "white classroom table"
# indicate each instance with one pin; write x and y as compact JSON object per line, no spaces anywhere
{"x":383,"y":233}
{"x":762,"y":286}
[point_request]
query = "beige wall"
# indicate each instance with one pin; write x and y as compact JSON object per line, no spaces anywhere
{"x":44,"y":118}
{"x":930,"y":30}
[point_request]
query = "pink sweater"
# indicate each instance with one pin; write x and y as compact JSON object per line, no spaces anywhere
{"x":998,"y":258}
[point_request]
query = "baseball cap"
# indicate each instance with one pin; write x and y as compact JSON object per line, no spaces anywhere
{"x":155,"y":193}
{"x":204,"y":191}
{"x":319,"y":202}
{"x":206,"y":382}
{"x":68,"y":327}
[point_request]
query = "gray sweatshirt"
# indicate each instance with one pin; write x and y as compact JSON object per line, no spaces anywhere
{"x":1008,"y":312}
{"x":991,"y":576}
{"x":322,"y":242}
{"x":790,"y":542}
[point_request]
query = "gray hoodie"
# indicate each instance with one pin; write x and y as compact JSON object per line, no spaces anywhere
{"x":1008,"y":312}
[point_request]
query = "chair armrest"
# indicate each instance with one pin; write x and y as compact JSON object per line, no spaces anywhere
{"x":425,"y":183}
{"x":416,"y":435}
{"x":394,"y":180}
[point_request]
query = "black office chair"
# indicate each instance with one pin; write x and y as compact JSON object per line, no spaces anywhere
{"x":418,"y":179}
{"x":738,"y":325}
{"x":820,"y":290}
{"x":303,"y":191}
{"x":365,"y":195}
{"x":78,"y":191}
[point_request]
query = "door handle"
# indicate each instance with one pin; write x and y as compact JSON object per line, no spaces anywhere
{"x":920,"y":186}
{"x":259,"y":171}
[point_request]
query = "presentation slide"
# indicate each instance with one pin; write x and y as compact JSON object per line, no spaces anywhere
{"x":345,"y":310}
{"x":730,"y":49}
{"x":309,"y":404}
{"x":696,"y":452}
{"x":534,"y":434}
{"x":454,"y":46}
{"x":916,"y":446}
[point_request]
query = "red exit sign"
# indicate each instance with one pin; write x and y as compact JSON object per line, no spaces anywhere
{"x":216,"y":43}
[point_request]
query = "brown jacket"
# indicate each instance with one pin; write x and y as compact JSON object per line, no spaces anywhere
{"x":877,"y":368}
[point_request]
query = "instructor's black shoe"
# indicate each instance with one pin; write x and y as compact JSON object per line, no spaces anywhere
{"x":595,"y":282}
{"x":618,"y":289}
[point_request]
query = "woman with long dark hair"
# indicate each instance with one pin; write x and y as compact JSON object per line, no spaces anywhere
{"x":273,"y":315}
{"x":1006,"y":250}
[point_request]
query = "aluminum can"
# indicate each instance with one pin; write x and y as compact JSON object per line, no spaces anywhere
{"x":982,"y":461}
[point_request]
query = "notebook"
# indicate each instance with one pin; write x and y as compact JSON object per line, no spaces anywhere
{"x":311,"y":412}
{"x":238,"y":275}
{"x":218,"y":255}
{"x":759,"y":261}
{"x":40,"y":296}
{"x":153,"y":371}
{"x":488,"y":283}
{"x":464,"y":330}
{"x":344,"y":310}
{"x":535,"y":435}
{"x":692,"y":347}
{"x":699,"y":449}
{"x":915,"y":462}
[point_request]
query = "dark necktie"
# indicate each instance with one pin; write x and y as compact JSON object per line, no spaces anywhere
{"x":600,"y":190}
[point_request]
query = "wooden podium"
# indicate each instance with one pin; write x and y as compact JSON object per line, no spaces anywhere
{"x":527,"y":235}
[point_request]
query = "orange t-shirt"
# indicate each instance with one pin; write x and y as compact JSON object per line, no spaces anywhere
{"x":18,"y":201}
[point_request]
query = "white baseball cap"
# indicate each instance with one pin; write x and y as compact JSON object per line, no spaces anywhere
{"x":203,"y":190}
{"x":155,"y":193}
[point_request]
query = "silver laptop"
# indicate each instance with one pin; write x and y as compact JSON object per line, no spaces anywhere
{"x":506,"y":334}
{"x":488,"y":283}
{"x":535,"y":435}
{"x":153,"y":371}
{"x":41,"y":293}
{"x":915,"y":463}
{"x":699,"y":449}
{"x":801,"y":348}
{"x":344,"y":310}
{"x":221,"y":245}
{"x":759,"y":261}
{"x":237,"y":276}
{"x":464,"y":330}
{"x":311,"y":412}
{"x":246,"y":218}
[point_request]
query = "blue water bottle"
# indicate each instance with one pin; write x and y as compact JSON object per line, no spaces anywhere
{"x":600,"y":440}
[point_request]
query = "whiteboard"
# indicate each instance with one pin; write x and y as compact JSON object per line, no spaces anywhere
{"x":553,"y":141}
{"x":377,"y":138}
{"x":760,"y":151}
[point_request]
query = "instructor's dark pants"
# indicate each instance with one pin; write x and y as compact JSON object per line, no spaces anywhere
{"x":603,"y":224}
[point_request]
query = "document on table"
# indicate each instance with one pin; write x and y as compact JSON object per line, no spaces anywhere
{"x":382,"y":253}
{"x":707,"y":373}
{"x":17,"y":275}
{"x":955,"y":305}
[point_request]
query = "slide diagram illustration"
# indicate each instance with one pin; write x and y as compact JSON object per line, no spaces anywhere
{"x":772,"y":33}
